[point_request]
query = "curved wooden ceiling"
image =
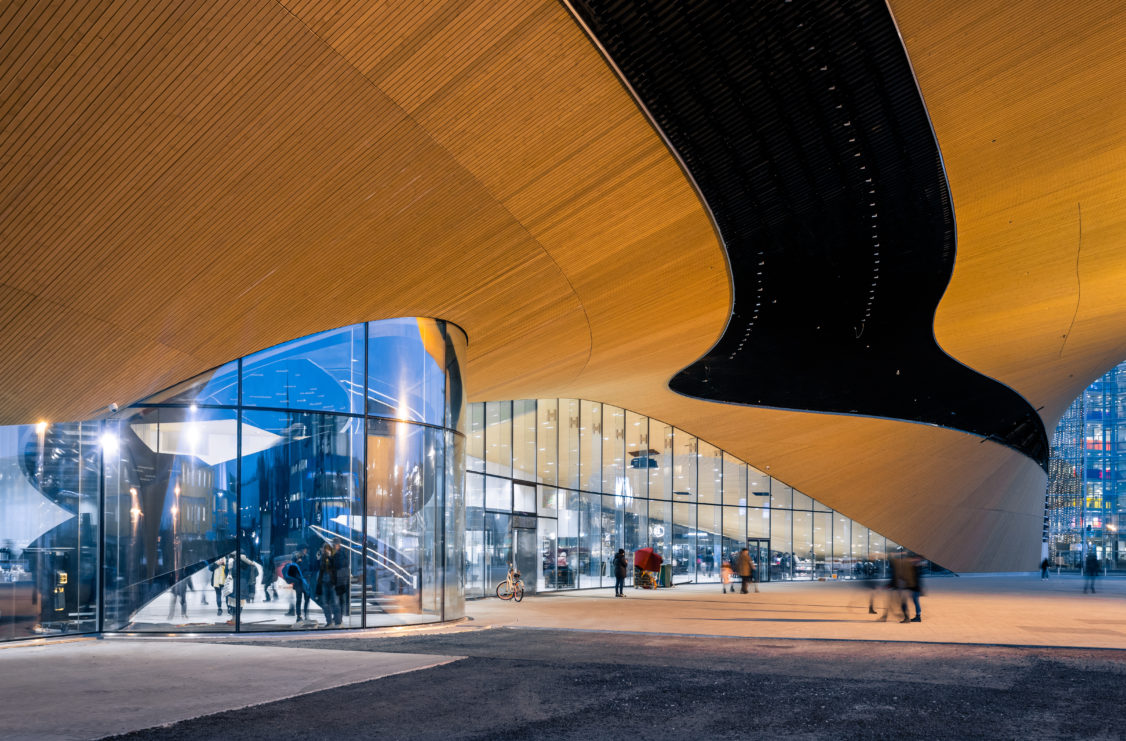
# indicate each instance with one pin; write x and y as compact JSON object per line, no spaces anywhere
{"x":184,"y":185}
{"x":180,"y":186}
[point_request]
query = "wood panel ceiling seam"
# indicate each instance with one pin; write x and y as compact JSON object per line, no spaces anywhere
{"x":62,"y":127}
{"x":42,"y":116}
{"x":47,"y":119}
{"x":470,"y":174}
{"x":17,"y":82}
{"x":46,"y":321}
{"x":12,"y":32}
{"x":282,"y":43}
{"x":118,"y":133}
{"x":227,"y":224}
{"x":12,"y":308}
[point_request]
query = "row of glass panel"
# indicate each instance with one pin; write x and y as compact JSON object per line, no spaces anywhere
{"x":279,"y":520}
{"x":533,"y":495}
{"x":262,"y":515}
{"x":588,"y":446}
{"x":1086,"y":512}
{"x":575,"y":549}
{"x":396,"y":368}
{"x":49,"y":488}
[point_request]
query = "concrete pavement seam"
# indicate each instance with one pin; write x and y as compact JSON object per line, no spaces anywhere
{"x":446,"y":660}
{"x":805,"y":638}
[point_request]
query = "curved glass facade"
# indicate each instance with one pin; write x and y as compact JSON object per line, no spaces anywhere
{"x":558,"y":485}
{"x":49,"y":483}
{"x":315,"y":483}
{"x":322,"y":483}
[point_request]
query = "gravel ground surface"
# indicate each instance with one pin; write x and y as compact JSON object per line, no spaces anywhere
{"x":521,"y":683}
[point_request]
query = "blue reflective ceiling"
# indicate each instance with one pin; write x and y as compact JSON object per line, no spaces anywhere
{"x":804,"y":130}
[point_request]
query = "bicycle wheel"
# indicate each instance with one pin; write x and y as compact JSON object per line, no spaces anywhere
{"x":503,"y":590}
{"x":518,"y":592}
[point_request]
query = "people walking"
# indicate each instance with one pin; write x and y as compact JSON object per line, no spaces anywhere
{"x":179,"y":592}
{"x":1090,"y":571}
{"x":744,"y":567}
{"x":1044,"y":568}
{"x":621,"y":568}
{"x":906,"y":578}
{"x":914,"y":585}
{"x":726,"y":573}
{"x":868,"y":579}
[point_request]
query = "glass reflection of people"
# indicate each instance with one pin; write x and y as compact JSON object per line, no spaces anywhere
{"x":179,"y":593}
{"x":296,"y":579}
{"x":333,"y":579}
{"x":248,"y":571}
{"x":218,"y":581}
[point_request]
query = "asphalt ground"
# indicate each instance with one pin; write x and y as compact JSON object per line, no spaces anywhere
{"x":526,"y":683}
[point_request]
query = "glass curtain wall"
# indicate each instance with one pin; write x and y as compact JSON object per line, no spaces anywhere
{"x":322,"y":483}
{"x":49,"y":488}
{"x":1085,"y":510}
{"x":313,"y":484}
{"x":598,"y":478}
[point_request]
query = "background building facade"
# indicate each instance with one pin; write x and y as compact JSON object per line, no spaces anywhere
{"x":1085,"y":506}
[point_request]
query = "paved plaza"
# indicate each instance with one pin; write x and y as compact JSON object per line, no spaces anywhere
{"x":1019,"y":610}
{"x":992,"y":658}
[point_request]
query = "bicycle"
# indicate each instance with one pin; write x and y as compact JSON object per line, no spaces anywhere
{"x":512,"y":587}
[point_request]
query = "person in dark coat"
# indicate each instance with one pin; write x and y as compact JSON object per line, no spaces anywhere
{"x":333,"y":581}
{"x":294,"y":574}
{"x":913,"y":573}
{"x":1090,"y":571}
{"x":1044,"y":565}
{"x":342,"y":562}
{"x":621,"y":568}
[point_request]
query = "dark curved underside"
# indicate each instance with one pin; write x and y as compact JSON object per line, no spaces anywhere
{"x":805,"y":132}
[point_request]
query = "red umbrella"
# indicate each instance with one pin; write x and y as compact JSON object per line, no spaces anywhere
{"x":646,"y":560}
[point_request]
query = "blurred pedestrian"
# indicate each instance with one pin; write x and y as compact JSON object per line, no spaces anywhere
{"x":1044,"y":568}
{"x":892,"y":588}
{"x":906,"y":579}
{"x":744,"y":568}
{"x":1090,"y":571}
{"x":914,"y":585}
{"x":621,"y":568}
{"x":754,"y":573}
{"x":179,"y":592}
{"x":867,"y":572}
{"x":726,"y":574}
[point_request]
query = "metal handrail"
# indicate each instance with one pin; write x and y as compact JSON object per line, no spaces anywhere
{"x":377,"y":558}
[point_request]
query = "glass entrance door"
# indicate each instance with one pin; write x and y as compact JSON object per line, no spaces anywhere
{"x":760,"y":552}
{"x":527,"y":556}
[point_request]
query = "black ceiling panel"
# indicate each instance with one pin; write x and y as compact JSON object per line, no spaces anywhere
{"x":804,"y":131}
